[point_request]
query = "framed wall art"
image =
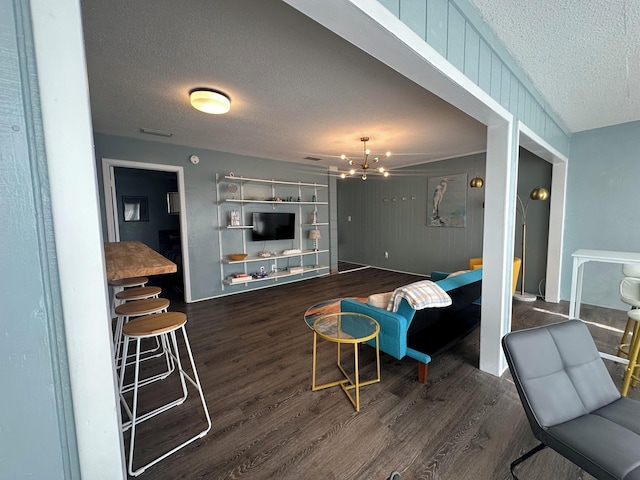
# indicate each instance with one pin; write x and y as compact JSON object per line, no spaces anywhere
{"x":447,"y":201}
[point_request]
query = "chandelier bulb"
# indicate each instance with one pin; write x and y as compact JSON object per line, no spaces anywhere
{"x":365,"y":163}
{"x":343,"y":175}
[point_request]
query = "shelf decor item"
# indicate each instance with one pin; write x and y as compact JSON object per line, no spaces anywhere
{"x":237,"y":257}
{"x":315,"y":236}
{"x":234,"y":218}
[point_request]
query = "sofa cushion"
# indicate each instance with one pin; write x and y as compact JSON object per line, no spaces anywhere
{"x":459,"y":272}
{"x":380,"y":300}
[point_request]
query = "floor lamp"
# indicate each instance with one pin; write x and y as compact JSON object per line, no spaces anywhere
{"x":538,"y":193}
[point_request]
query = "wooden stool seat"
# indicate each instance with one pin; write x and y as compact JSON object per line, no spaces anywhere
{"x":138,"y":293}
{"x":129,"y":282}
{"x":139,"y":308}
{"x":142,"y":307}
{"x":117,"y":286}
{"x":152,"y":325}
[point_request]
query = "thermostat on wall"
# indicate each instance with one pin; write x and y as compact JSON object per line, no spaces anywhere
{"x":194,"y":159}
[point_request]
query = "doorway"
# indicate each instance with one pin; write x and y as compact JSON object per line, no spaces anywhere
{"x":145,"y":202}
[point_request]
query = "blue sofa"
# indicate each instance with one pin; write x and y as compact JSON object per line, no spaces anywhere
{"x":421,"y":334}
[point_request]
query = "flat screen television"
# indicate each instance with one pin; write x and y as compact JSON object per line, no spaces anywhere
{"x":273,"y":226}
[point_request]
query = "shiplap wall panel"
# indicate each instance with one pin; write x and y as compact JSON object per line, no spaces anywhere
{"x":437,"y":14}
{"x":445,"y":26}
{"x":391,"y":215}
{"x":414,"y":14}
{"x":392,"y":5}
{"x":496,"y":76}
{"x":484,"y":67}
{"x":455,"y":38}
{"x":505,"y":87}
{"x":472,"y":54}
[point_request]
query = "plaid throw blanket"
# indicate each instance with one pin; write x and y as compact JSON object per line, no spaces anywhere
{"x":419,"y":295}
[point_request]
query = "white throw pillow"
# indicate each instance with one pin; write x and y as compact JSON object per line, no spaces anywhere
{"x":380,"y":300}
{"x":459,"y":272}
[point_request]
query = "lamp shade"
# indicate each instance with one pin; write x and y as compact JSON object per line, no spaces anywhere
{"x":210,"y":101}
{"x":539,"y":193}
{"x":314,"y":234}
{"x":476,"y":182}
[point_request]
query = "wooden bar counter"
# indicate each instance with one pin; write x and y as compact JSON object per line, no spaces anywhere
{"x":134,"y":259}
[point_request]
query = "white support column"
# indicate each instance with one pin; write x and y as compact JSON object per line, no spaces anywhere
{"x":556,"y":224}
{"x":66,"y":117}
{"x":501,"y":173}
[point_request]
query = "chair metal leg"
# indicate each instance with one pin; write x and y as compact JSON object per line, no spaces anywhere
{"x":527,"y":455}
{"x":634,"y":350}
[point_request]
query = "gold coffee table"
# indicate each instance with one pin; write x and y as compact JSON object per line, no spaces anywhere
{"x":345,"y":328}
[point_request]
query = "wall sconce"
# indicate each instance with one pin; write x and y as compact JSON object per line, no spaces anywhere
{"x":476,"y":182}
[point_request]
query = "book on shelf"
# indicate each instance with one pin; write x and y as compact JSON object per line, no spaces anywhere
{"x":240,"y":278}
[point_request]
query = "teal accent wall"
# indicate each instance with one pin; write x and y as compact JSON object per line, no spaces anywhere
{"x":201,"y":202}
{"x":602,"y":207}
{"x":36,"y":413}
{"x":456,"y":31}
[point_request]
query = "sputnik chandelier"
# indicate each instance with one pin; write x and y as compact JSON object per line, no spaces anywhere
{"x":366,"y":163}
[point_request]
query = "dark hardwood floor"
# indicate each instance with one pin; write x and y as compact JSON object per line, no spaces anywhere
{"x":253,"y":353}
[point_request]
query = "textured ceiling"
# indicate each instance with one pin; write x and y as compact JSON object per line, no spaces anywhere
{"x":583,"y":56}
{"x":296,"y":88}
{"x":299,"y":90}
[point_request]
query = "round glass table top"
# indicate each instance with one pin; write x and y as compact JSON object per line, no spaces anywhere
{"x":319,"y":309}
{"x":346,"y":327}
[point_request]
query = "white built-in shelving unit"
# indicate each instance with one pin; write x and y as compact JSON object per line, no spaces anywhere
{"x":247,"y":196}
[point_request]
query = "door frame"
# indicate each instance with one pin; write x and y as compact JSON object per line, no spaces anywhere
{"x":111,"y":207}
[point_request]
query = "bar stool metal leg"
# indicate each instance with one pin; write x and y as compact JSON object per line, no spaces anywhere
{"x":138,"y":308}
{"x":164,"y":325}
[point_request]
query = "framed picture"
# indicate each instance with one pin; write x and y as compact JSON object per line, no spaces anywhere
{"x":135,"y":209}
{"x":447,"y":201}
{"x":173,"y":203}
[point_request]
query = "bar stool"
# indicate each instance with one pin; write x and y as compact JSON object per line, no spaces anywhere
{"x":122,"y":283}
{"x":634,"y":349}
{"x":138,"y":308}
{"x":629,"y":294}
{"x":163,"y":326}
{"x":138,"y":293}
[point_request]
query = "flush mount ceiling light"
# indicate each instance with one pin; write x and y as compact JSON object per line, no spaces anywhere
{"x":366,"y":164}
{"x":210,"y":101}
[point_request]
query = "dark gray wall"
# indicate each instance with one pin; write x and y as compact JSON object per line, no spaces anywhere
{"x":399,"y":224}
{"x":533,"y":172}
{"x":153,"y":185}
{"x":390,"y":215}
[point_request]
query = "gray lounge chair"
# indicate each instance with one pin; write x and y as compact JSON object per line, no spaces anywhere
{"x":571,"y":402}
